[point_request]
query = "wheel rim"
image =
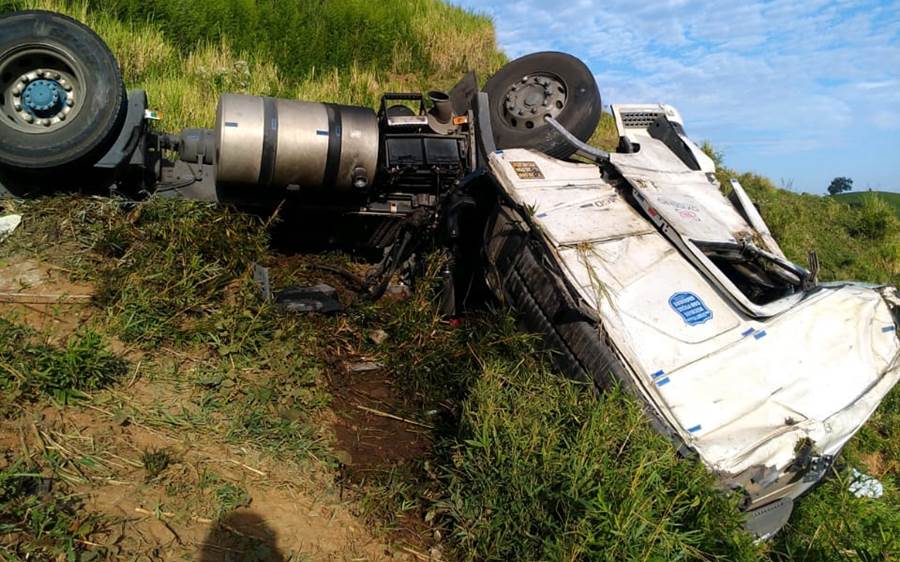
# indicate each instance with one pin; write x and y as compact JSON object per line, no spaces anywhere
{"x":41,"y":89}
{"x":536,"y":96}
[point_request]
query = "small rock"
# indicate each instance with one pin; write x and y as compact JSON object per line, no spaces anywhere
{"x":343,"y":457}
{"x":363,"y":366}
{"x":8,"y":224}
{"x":378,"y":336}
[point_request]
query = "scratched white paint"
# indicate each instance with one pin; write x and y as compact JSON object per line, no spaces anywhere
{"x":740,"y":383}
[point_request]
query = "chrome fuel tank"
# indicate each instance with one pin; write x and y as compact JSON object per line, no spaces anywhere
{"x":295,"y":145}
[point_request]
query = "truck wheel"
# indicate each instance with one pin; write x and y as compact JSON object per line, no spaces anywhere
{"x":543,"y":84}
{"x":62,"y":99}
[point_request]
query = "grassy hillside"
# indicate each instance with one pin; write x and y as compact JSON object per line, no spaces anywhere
{"x":178,"y":354}
{"x":186,"y":53}
{"x":857,"y":198}
{"x":856,"y":242}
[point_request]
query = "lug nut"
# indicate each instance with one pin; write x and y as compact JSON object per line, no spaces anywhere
{"x":70,"y":102}
{"x":29,"y":118}
{"x":61,"y":116}
{"x":45,"y":122}
{"x":17,"y":106}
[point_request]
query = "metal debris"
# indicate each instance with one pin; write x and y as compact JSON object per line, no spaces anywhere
{"x":317,"y":298}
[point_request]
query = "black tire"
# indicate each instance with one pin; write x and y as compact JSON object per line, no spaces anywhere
{"x":521,"y":276}
{"x":579,"y":112}
{"x":44,"y":40}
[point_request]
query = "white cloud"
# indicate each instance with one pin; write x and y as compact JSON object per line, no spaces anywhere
{"x":786,"y":74}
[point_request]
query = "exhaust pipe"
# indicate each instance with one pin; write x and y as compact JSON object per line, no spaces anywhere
{"x":441,"y":109}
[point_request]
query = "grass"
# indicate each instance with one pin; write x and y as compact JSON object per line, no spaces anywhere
{"x":856,"y":242}
{"x":31,"y":368}
{"x":525,"y":465}
{"x":184,"y":54}
{"x":858,"y":198}
{"x":162,"y":269}
{"x":593,"y":481}
{"x":39,"y":520}
{"x":155,"y":461}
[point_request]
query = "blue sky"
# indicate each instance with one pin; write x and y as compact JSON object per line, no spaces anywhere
{"x":799,"y":91}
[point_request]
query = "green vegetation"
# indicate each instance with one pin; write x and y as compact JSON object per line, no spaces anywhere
{"x":39,"y":520}
{"x":856,"y":242}
{"x":857,"y":198}
{"x":30,"y":367}
{"x":524,"y":465}
{"x":155,"y":461}
{"x":186,"y":53}
{"x":839,"y":185}
{"x":178,"y":273}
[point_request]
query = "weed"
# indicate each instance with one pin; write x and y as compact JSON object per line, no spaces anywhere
{"x":833,"y":524}
{"x":155,"y":461}
{"x":159,"y":267}
{"x":39,"y":520}
{"x":30,"y":367}
{"x":390,"y":497}
{"x":231,"y":497}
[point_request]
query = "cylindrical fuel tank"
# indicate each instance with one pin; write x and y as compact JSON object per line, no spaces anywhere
{"x":277,"y":143}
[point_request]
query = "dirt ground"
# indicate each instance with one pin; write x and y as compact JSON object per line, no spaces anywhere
{"x":209,"y":499}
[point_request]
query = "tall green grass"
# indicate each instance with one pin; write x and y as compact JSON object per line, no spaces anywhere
{"x":853,"y":242}
{"x":856,"y":198}
{"x":528,"y":466}
{"x":186,"y":53}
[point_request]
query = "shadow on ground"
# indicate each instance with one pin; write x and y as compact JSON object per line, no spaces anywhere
{"x":241,"y":535}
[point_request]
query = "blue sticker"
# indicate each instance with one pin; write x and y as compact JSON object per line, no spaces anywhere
{"x":321,"y":133}
{"x":658,"y":374}
{"x":760,"y":335}
{"x":887,"y":329}
{"x":691,"y":309}
{"x":748,"y":332}
{"x":695,"y":429}
{"x":663,"y":382}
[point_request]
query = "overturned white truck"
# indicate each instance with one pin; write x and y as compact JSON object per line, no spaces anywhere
{"x":633,"y":266}
{"x":644,"y":270}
